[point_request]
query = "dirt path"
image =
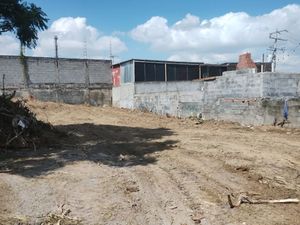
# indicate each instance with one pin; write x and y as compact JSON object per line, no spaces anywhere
{"x":116,"y":166}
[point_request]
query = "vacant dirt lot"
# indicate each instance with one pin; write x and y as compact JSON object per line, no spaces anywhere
{"x":116,"y":166}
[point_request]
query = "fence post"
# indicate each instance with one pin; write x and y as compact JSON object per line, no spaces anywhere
{"x":3,"y":84}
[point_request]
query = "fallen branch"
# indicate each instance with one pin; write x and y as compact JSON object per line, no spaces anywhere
{"x":288,"y":200}
{"x":61,"y":218}
{"x":281,"y":123}
{"x":15,"y":137}
{"x":245,"y":199}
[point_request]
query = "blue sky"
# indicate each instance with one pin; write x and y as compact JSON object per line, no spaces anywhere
{"x":192,"y":30}
{"x":123,"y":15}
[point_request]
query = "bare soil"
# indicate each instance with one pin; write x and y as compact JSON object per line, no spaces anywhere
{"x":115,"y":166}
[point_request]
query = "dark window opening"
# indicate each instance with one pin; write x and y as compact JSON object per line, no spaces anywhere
{"x":150,"y":72}
{"x":212,"y":71}
{"x":171,"y":72}
{"x":160,"y":72}
{"x":139,"y":72}
{"x":204,"y":71}
{"x":193,"y":72}
{"x":181,"y":72}
{"x":175,"y":72}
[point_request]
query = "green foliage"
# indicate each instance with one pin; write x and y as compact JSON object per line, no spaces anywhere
{"x":24,"y":19}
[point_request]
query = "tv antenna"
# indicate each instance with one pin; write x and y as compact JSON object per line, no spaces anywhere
{"x":111,"y":56}
{"x":274,"y":48}
{"x":85,"y":51}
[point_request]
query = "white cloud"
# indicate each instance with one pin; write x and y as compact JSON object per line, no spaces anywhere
{"x":9,"y":45}
{"x":75,"y":39}
{"x":221,"y":38}
{"x":188,"y":22}
{"x":152,"y":31}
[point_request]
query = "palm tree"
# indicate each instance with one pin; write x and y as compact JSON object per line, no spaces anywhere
{"x":23,"y":19}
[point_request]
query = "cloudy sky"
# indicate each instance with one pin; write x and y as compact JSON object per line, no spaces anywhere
{"x":214,"y":31}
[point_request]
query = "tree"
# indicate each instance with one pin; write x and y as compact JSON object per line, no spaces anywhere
{"x":23,"y":19}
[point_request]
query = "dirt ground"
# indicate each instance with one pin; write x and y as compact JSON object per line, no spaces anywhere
{"x":115,"y":166}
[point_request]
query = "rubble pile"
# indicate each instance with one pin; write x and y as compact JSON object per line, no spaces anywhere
{"x":19,"y":127}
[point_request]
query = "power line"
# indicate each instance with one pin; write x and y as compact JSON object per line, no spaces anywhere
{"x":293,"y":43}
{"x":274,"y":48}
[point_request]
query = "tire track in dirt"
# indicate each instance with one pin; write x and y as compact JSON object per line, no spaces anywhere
{"x":198,"y":189}
{"x":280,"y":171}
{"x":159,"y":201}
{"x":7,"y":196}
{"x":191,"y":171}
{"x":189,"y":178}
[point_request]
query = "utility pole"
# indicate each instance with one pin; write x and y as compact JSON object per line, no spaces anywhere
{"x":56,"y":68}
{"x":56,"y":47}
{"x":3,"y":84}
{"x":262,"y":67}
{"x":274,"y":48}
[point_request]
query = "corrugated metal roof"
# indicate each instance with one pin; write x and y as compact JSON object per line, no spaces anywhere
{"x":159,"y":61}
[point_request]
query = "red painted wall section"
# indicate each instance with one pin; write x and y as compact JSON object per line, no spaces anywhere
{"x":245,"y":62}
{"x":116,"y":76}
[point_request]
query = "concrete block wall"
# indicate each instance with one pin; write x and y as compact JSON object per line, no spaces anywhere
{"x":230,"y":85}
{"x":72,"y":71}
{"x":123,"y":96}
{"x":70,"y":94}
{"x":247,"y":98}
{"x":165,"y":97}
{"x":40,"y":70}
{"x":189,"y":98}
{"x":281,"y":85}
{"x":9,"y":65}
{"x":99,"y":71}
{"x":73,"y":81}
{"x":234,"y":97}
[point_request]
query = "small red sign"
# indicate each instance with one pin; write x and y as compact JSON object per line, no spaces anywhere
{"x":116,"y":76}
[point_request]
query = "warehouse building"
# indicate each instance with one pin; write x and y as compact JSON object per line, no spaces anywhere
{"x":212,"y":91}
{"x":140,"y":70}
{"x":136,"y":70}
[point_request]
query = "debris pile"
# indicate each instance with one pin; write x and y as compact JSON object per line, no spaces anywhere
{"x":19,"y":127}
{"x":61,"y":218}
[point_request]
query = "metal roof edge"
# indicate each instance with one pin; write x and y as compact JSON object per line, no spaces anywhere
{"x":158,"y":61}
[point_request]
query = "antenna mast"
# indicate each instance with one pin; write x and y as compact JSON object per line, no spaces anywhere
{"x":85,"y":52}
{"x":274,"y":48}
{"x":111,"y":56}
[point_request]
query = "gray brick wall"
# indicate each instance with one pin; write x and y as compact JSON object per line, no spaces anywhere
{"x":281,"y":85}
{"x":247,"y":98}
{"x":45,"y":70}
{"x":41,"y":70}
{"x":72,"y":81}
{"x":72,"y":71}
{"x":10,"y":66}
{"x":98,"y":71}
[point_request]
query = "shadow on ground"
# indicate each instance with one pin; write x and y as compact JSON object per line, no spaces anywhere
{"x":117,"y":146}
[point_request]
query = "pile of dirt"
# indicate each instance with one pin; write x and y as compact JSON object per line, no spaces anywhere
{"x":19,"y":127}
